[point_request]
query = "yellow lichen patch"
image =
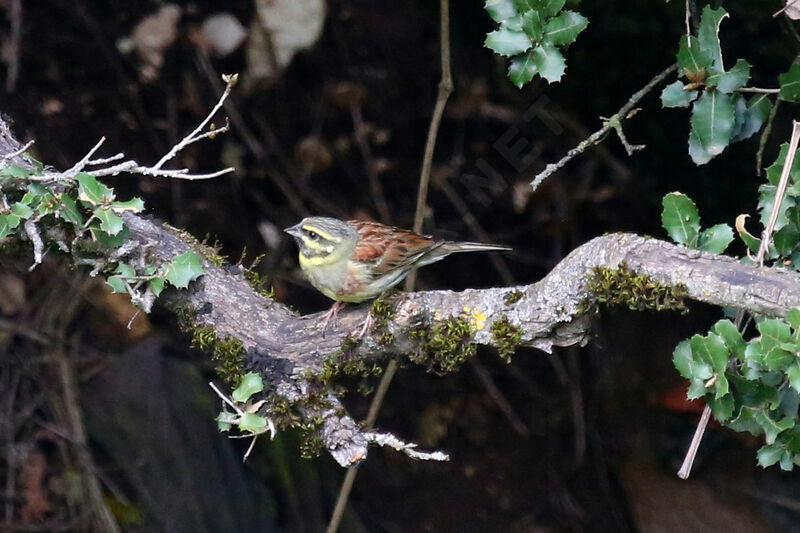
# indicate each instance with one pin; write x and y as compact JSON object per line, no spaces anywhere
{"x":477,"y":317}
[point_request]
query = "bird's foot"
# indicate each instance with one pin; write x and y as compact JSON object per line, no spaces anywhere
{"x":368,"y":322}
{"x":332,"y":314}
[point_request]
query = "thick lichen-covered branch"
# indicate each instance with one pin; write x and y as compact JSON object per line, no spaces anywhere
{"x":439,"y":329}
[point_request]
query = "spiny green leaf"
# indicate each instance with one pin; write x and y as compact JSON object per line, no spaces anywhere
{"x":532,"y":26}
{"x":500,"y":10}
{"x":673,"y":95}
{"x":157,"y":285}
{"x":251,"y":384}
{"x":751,"y":117}
{"x":117,"y":282}
{"x":793,"y":373}
{"x":549,"y":62}
{"x":732,"y":80}
{"x":680,"y":218}
{"x":722,"y":407}
{"x":692,"y":60}
{"x":68,"y":211}
{"x":769,"y":454}
{"x":732,"y":337}
{"x":22,"y":210}
{"x":770,"y":426}
{"x":109,"y":222}
{"x":790,"y":84}
{"x":766,"y":199}
{"x":183,"y":269}
{"x":15,"y":171}
{"x":786,"y":239}
{"x":134,"y":205}
{"x":508,"y":42}
{"x":8,"y":223}
{"x":697,"y":151}
{"x":682,"y":359}
{"x":793,"y":318}
{"x":522,"y":69}
{"x":712,"y":121}
{"x":775,"y":169}
{"x":549,"y":8}
{"x":711,"y":350}
{"x":708,"y":35}
{"x":715,"y":239}
{"x":251,"y":423}
{"x":564,"y":29}
{"x":92,"y":191}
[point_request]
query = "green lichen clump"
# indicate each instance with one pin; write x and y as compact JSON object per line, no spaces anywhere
{"x":513,"y":297}
{"x":507,"y":337}
{"x":623,"y":286}
{"x":227,"y":353}
{"x":446,"y":345}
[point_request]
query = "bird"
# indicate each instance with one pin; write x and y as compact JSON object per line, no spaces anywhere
{"x":353,"y":261}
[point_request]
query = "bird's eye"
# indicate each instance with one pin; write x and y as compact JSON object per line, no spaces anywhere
{"x":313,"y":235}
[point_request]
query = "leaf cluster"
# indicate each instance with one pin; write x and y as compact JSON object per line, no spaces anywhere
{"x":720,"y":114}
{"x":532,"y":33}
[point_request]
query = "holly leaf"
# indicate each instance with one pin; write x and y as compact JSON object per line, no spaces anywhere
{"x":507,"y":42}
{"x":500,"y":10}
{"x":715,"y":239}
{"x":769,"y":454}
{"x":92,"y":191}
{"x":732,"y":80}
{"x":68,"y":211}
{"x":109,"y":222}
{"x":8,"y":223}
{"x":522,"y":69}
{"x":692,"y":60}
{"x":750,"y":117}
{"x":134,"y":205}
{"x":708,"y":35}
{"x":184,"y":269}
{"x":549,"y":62}
{"x":680,"y":218}
{"x":673,"y":95}
{"x":117,"y":281}
{"x":532,"y":26}
{"x":565,"y":28}
{"x":252,"y":423}
{"x":790,"y":84}
{"x":712,"y":121}
{"x":697,"y":151}
{"x":251,"y":384}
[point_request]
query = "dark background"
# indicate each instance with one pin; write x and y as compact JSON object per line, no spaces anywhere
{"x":590,"y":438}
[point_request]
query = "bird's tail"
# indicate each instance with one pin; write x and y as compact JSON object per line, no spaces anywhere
{"x":454,"y":247}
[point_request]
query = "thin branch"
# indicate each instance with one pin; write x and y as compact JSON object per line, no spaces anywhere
{"x":762,"y":141}
{"x":615,"y":122}
{"x":20,"y":151}
{"x":194,"y":136}
{"x":758,"y":90}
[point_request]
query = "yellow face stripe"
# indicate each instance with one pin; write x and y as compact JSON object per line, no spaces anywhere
{"x":324,"y":234}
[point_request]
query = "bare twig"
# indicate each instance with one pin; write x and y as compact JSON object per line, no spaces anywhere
{"x":614,"y":122}
{"x":784,"y":8}
{"x":408,"y":448}
{"x":758,"y":90}
{"x":15,"y":153}
{"x":13,"y":44}
{"x":766,"y":238}
{"x":762,"y":141}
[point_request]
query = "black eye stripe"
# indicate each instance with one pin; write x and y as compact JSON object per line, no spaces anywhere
{"x":313,"y":235}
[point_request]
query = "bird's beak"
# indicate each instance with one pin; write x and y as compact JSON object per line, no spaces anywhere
{"x":294,"y":231}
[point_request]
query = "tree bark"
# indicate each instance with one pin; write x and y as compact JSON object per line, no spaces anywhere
{"x":286,"y":349}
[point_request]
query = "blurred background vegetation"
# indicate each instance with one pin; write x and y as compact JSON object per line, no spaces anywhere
{"x":330,"y":118}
